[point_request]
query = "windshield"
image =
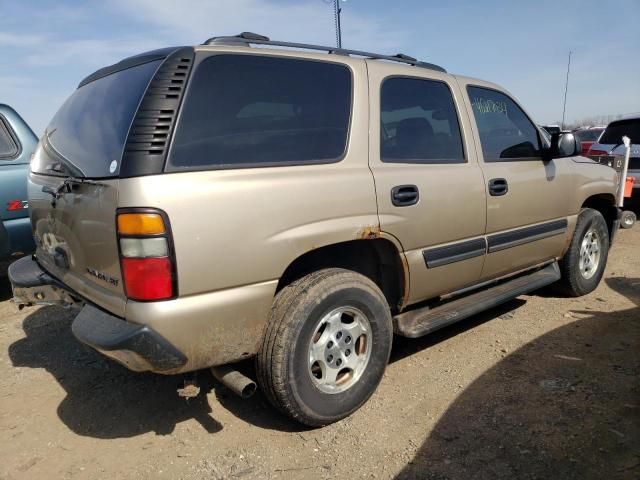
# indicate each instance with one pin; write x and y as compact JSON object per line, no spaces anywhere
{"x":615,"y":131}
{"x":89,"y":131}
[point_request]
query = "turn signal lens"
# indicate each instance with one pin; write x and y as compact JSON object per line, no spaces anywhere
{"x":140,"y":224}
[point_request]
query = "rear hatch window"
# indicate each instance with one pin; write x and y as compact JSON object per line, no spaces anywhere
{"x":89,"y":131}
{"x":615,"y":131}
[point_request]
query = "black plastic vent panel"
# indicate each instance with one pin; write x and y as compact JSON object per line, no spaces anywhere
{"x":147,"y":144}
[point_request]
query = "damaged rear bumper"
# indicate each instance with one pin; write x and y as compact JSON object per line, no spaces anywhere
{"x":138,"y":347}
{"x":33,"y":286}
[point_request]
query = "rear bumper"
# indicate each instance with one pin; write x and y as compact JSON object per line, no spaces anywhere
{"x":208,"y":329}
{"x":138,"y":347}
{"x":33,"y":286}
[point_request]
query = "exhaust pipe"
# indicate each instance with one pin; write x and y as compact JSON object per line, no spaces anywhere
{"x":235,"y":381}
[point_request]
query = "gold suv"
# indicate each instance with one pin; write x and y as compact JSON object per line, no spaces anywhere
{"x":208,"y":204}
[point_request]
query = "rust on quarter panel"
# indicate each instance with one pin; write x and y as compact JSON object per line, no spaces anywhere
{"x":369,"y":232}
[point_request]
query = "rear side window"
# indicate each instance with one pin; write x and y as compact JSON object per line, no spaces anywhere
{"x":616,"y":130}
{"x":90,"y":129}
{"x":250,"y":110}
{"x":506,"y":133}
{"x":8,"y":147}
{"x":419,"y":123}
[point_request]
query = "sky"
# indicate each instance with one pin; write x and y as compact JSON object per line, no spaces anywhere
{"x":47,"y":47}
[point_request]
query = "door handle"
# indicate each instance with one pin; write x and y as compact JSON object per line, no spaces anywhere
{"x":405,"y":195}
{"x":498,"y":187}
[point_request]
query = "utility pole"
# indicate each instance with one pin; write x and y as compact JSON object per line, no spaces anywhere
{"x":566,"y":86}
{"x":336,"y":12}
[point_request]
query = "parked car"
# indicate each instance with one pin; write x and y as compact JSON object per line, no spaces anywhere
{"x":209,"y":204}
{"x":17,"y":143}
{"x":610,"y":145}
{"x":587,"y":137}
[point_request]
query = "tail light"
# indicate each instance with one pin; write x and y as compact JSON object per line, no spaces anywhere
{"x":596,"y":152}
{"x":146,"y":254}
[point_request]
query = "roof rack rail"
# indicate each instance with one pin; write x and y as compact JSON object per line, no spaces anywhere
{"x":249,"y":38}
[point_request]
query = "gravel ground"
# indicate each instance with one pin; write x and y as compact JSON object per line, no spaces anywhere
{"x":542,"y":387}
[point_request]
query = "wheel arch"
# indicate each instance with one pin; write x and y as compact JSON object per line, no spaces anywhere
{"x":375,"y":256}
{"x":605,"y":203}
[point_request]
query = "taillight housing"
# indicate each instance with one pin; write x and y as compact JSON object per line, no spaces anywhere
{"x":147,"y":258}
{"x":596,"y":152}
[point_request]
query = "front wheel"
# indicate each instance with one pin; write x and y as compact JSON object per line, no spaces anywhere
{"x":326,"y":346}
{"x":583,"y":265}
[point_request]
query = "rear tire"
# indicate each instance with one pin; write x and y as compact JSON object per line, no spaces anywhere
{"x":628,"y":219}
{"x":326,"y":346}
{"x":583,"y":265}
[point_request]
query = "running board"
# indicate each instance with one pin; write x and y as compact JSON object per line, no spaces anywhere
{"x":416,"y":323}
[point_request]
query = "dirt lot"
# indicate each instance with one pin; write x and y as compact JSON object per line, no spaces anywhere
{"x":543,"y":387}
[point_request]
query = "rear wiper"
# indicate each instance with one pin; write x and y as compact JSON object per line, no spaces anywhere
{"x":66,"y":187}
{"x":60,"y":163}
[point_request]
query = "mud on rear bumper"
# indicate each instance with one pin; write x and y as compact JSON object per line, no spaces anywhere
{"x":138,"y":347}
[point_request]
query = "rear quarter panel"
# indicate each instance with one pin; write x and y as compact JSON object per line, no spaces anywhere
{"x":233,"y":228}
{"x":13,"y":189}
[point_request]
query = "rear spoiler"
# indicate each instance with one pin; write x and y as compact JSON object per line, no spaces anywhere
{"x":129,"y":62}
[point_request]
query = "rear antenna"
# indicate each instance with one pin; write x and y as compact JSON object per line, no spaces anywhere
{"x":337,"y":10}
{"x":566,"y":87}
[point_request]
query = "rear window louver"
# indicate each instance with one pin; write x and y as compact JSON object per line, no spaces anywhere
{"x":147,"y":143}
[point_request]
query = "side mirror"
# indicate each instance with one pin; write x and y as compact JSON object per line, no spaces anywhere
{"x":562,"y":145}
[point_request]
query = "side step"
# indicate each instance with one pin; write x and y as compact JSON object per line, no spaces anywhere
{"x":416,"y":323}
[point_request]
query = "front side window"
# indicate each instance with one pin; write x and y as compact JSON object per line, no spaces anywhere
{"x":8,"y":147}
{"x":419,"y":123}
{"x":251,"y":110}
{"x":506,"y":133}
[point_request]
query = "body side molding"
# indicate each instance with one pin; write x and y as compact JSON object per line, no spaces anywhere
{"x":500,"y":241}
{"x":438,"y":256}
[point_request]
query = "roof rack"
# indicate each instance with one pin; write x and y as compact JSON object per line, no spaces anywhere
{"x":249,"y":38}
